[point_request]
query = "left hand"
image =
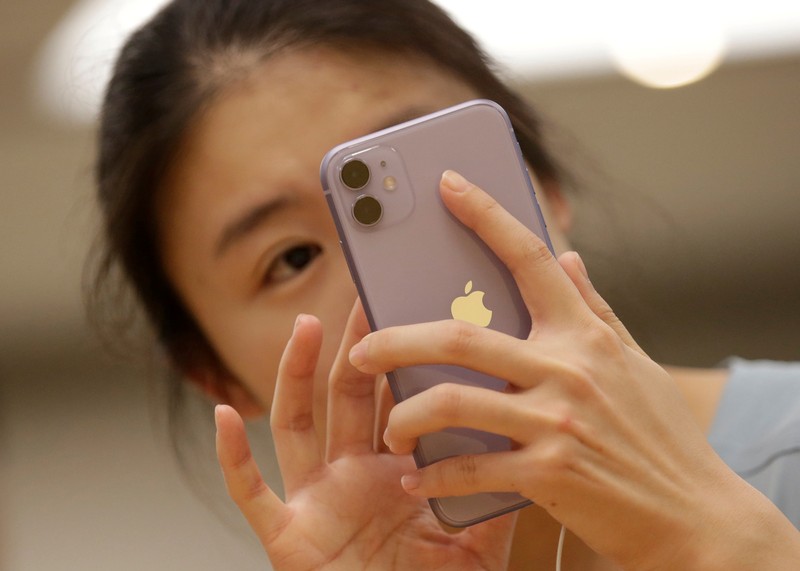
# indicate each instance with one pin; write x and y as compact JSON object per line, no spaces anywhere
{"x":344,"y":508}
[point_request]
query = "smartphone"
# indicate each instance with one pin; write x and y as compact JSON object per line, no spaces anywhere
{"x":413,"y":262}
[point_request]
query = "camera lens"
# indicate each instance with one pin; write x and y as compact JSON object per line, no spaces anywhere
{"x":355,"y":174}
{"x":367,"y":210}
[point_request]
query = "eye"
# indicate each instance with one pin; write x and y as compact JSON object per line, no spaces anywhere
{"x":291,"y":262}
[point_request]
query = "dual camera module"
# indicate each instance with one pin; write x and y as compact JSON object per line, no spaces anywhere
{"x":355,"y":175}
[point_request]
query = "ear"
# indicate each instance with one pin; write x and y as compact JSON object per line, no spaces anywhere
{"x":222,"y":388}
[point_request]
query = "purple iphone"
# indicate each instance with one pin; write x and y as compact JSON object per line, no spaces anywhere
{"x":413,"y":262}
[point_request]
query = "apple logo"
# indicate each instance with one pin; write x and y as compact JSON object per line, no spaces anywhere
{"x":469,"y":307}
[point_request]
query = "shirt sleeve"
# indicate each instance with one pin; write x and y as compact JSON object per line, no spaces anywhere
{"x":756,"y":429}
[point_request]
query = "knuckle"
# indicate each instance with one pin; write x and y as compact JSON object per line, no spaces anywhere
{"x":248,"y":494}
{"x":299,"y":422}
{"x":349,"y":384}
{"x":603,"y":339}
{"x":531,"y":252}
{"x":446,"y":401}
{"x":564,"y":418}
{"x":491,"y":206}
{"x":569,"y":425}
{"x":606,"y":313}
{"x":488,"y":207}
{"x":580,"y":383}
{"x":557,"y":460}
{"x":485,"y":211}
{"x":460,"y":339}
{"x":464,"y":470}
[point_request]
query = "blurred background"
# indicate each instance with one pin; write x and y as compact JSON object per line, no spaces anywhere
{"x":686,"y":203}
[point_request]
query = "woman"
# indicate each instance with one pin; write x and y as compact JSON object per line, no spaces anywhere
{"x":212,"y":132}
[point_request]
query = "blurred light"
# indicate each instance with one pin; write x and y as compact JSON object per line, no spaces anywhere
{"x":76,"y":61}
{"x":568,"y":38}
{"x":667,"y":44}
{"x":536,"y":39}
{"x":660,"y":43}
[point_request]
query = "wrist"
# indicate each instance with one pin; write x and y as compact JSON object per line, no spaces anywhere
{"x":740,"y":530}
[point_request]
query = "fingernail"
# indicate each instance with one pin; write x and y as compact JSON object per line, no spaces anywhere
{"x":386,"y":439}
{"x":454,"y":181}
{"x":358,"y":354}
{"x":297,"y":321}
{"x":582,"y":267}
{"x":410,"y":482}
{"x":217,"y":413}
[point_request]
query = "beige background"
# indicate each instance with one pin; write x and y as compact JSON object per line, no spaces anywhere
{"x":686,"y":213}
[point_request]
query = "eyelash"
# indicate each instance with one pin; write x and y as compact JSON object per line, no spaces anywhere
{"x":294,"y":260}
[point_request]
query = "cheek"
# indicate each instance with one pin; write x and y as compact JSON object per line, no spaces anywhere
{"x":332,"y":306}
{"x":254,"y":351}
{"x":254,"y":346}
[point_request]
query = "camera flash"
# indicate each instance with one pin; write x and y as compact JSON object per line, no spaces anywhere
{"x":389,"y":183}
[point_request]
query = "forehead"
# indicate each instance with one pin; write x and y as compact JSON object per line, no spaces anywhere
{"x":310,"y":100}
{"x":268,"y":133}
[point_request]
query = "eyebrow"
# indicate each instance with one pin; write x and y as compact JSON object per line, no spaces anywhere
{"x":254,"y":217}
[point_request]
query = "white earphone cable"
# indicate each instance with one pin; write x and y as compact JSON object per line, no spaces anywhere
{"x":560,"y":547}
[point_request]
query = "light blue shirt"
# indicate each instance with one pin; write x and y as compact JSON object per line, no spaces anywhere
{"x":756,"y":429}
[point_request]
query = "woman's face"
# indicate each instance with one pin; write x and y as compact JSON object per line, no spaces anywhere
{"x":245,"y":234}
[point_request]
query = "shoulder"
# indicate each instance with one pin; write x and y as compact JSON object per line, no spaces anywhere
{"x":756,"y":429}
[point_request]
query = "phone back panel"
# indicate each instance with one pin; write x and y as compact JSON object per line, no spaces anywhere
{"x":418,"y":259}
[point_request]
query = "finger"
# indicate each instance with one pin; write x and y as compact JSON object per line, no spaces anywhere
{"x":454,"y":342}
{"x":546,"y":290}
{"x":466,"y":475}
{"x":576,"y":270}
{"x":459,"y":406}
{"x":297,"y":447}
{"x":385,"y":402}
{"x":265,"y":512}
{"x":351,"y":396}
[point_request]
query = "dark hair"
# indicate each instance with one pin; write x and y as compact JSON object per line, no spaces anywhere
{"x":174,"y":66}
